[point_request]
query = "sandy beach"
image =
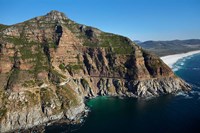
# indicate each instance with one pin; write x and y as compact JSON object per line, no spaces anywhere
{"x":171,"y":59}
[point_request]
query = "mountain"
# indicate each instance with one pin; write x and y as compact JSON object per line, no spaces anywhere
{"x":163,"y":48}
{"x":137,"y":41}
{"x":49,"y":65}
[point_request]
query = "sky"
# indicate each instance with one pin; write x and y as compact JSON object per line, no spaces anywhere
{"x":137,"y":19}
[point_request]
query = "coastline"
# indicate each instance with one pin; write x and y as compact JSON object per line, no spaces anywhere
{"x":170,"y":60}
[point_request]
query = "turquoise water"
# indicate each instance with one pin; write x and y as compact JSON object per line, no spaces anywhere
{"x":178,"y":113}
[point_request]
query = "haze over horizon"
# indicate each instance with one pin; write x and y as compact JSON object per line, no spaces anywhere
{"x":137,"y":19}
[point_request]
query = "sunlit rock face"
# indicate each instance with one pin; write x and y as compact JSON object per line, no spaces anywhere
{"x":50,"y":64}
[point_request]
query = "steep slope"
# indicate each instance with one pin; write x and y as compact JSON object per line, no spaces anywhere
{"x":49,"y":64}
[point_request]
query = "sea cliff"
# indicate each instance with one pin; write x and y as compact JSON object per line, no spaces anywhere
{"x":50,"y":64}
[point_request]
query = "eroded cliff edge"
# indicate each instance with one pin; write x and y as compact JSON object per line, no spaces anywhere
{"x":49,"y":64}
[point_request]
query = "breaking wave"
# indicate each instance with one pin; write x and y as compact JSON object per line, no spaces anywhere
{"x":184,"y":94}
{"x":180,"y":64}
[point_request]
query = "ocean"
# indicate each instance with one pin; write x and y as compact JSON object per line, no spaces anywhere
{"x":178,"y":113}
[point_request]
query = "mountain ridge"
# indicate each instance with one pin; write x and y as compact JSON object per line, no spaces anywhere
{"x":163,"y":48}
{"x":50,"y":64}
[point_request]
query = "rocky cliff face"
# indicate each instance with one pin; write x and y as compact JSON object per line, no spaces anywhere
{"x":49,"y":64}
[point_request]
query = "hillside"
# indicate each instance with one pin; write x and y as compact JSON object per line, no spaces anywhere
{"x":50,"y":64}
{"x":162,"y":48}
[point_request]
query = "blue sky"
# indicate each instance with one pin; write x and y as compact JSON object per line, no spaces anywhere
{"x":137,"y":19}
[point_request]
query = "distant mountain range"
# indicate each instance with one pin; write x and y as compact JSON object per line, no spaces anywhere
{"x":137,"y":41}
{"x":163,"y":48}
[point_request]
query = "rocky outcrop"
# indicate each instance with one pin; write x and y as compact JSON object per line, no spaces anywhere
{"x":50,"y":64}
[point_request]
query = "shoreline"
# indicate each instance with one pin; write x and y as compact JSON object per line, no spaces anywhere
{"x":170,"y":60}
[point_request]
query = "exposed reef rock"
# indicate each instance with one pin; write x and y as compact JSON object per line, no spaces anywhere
{"x":50,"y":64}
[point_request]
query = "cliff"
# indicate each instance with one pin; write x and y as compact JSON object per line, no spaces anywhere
{"x":50,"y":64}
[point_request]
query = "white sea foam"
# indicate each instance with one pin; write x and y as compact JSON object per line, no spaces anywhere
{"x":194,"y":92}
{"x":196,"y":85}
{"x":198,"y":93}
{"x":175,"y":69}
{"x":185,"y":95}
{"x":196,"y":68}
{"x":170,"y":60}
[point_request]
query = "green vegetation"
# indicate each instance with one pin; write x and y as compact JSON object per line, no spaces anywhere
{"x":37,"y":57}
{"x":19,"y":41}
{"x":3,"y":99}
{"x":48,"y":98}
{"x":15,"y":40}
{"x":108,"y":39}
{"x":90,"y":44}
{"x":120,"y":68}
{"x":123,"y":50}
{"x":62,"y":66}
{"x":67,"y":96}
{"x":46,"y":95}
{"x":24,"y":46}
{"x":75,"y":29}
{"x":3,"y":96}
{"x":26,"y":53}
{"x":12,"y":78}
{"x":3,"y":111}
{"x":54,"y":72}
{"x":41,"y":62}
{"x":74,"y":68}
{"x":79,"y":59}
{"x":119,"y":44}
{"x":153,"y":63}
{"x":2,"y":27}
{"x":52,"y":45}
{"x":72,"y":26}
{"x":32,"y":98}
{"x":29,"y":83}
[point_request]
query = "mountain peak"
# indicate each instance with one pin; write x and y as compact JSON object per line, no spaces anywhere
{"x":56,"y":15}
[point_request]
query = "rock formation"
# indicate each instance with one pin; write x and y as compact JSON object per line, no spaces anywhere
{"x":50,"y":64}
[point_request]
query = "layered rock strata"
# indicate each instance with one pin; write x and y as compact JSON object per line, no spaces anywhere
{"x":50,"y":64}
